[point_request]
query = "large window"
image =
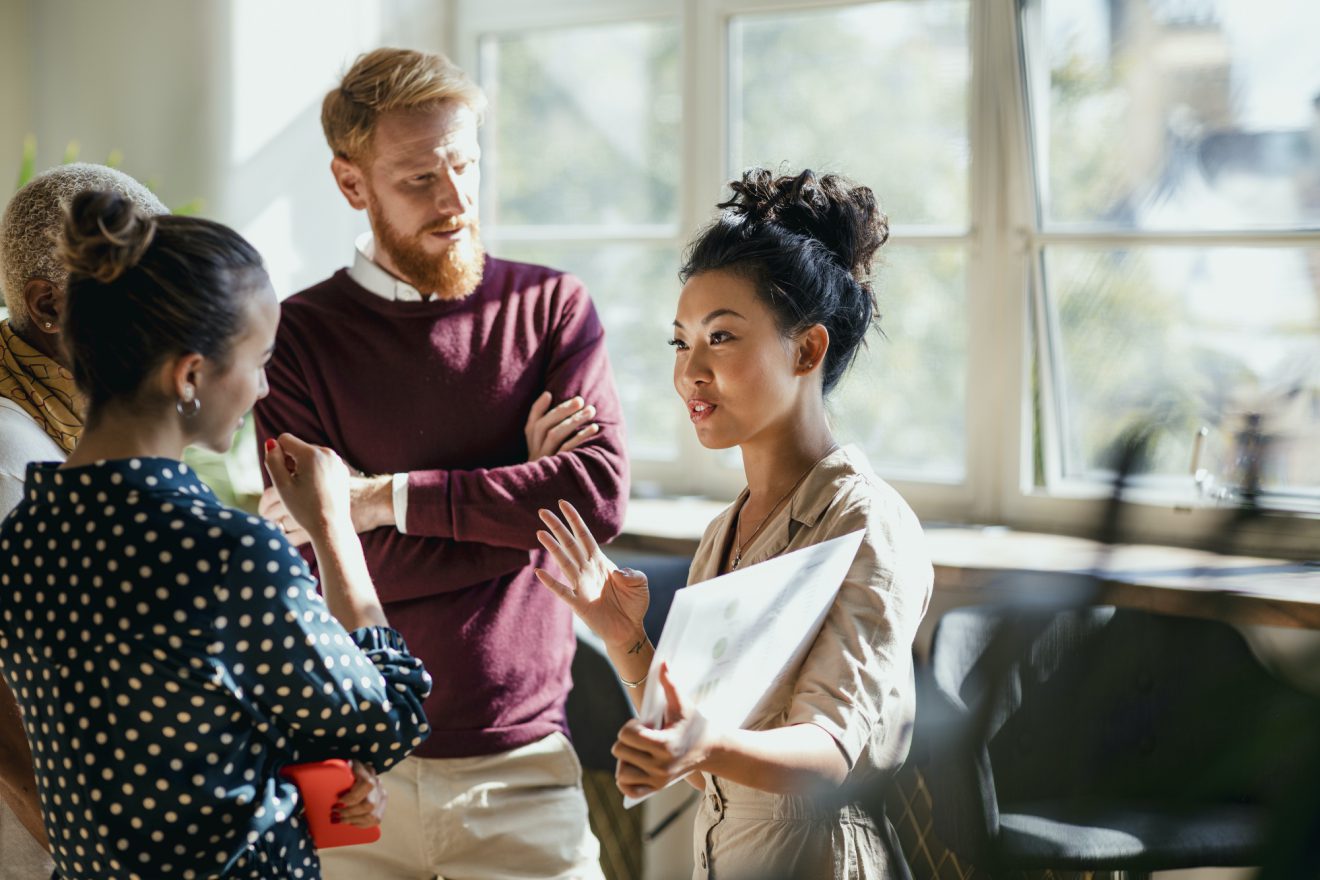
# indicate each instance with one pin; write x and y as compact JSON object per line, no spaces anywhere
{"x":1177,"y":175}
{"x":1105,"y":216}
{"x":581,"y":171}
{"x":878,"y":91}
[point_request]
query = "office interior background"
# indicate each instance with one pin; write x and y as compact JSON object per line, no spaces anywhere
{"x":1105,"y":213}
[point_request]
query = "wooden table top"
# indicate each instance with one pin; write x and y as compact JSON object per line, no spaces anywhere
{"x":1000,"y":563}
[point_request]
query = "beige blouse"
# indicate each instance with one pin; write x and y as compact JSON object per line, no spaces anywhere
{"x":855,"y":683}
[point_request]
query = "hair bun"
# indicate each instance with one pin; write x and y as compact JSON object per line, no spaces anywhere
{"x":844,"y":217}
{"x":104,"y":235}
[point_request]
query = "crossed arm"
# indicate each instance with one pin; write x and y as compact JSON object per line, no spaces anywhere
{"x":550,"y":429}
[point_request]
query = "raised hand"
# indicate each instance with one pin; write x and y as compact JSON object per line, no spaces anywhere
{"x":609,"y":600}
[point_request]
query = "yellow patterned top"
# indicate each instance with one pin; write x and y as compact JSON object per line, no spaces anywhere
{"x":43,"y":388}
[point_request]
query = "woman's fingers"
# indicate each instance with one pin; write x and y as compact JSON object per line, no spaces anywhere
{"x":561,"y":589}
{"x":676,"y":708}
{"x":566,"y":539}
{"x":631,"y":755}
{"x":280,"y":476}
{"x":566,"y":564}
{"x":651,"y":751}
{"x":358,"y":791}
{"x":633,"y":781}
{"x":627,"y":773}
{"x":637,"y":735}
{"x":363,"y":804}
{"x":580,"y":530}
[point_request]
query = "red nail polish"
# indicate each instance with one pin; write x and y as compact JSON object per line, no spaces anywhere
{"x":270,"y":444}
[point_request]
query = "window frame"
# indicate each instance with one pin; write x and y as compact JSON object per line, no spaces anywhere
{"x":1155,"y":512}
{"x":1005,"y":297}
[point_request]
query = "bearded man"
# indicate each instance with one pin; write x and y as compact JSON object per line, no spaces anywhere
{"x":469,"y":392}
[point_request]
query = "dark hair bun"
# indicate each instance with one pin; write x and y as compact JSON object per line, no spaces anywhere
{"x":104,"y":235}
{"x":841,"y":215}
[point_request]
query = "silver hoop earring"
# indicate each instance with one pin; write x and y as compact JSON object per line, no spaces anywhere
{"x":188,"y":405}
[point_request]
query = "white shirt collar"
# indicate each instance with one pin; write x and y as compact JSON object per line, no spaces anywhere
{"x":369,"y":274}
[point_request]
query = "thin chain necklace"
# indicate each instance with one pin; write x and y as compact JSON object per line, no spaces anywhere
{"x":740,"y":545}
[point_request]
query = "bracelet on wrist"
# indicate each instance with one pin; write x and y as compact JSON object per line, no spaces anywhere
{"x":634,"y":684}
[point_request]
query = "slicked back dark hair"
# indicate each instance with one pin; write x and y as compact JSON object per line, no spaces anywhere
{"x":144,"y":288}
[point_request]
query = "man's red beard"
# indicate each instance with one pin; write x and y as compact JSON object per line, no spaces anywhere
{"x":450,"y":275}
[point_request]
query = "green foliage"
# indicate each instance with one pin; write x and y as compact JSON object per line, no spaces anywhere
{"x":27,"y":170}
{"x":231,"y":475}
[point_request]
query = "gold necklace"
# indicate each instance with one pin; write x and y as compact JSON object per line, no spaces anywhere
{"x":740,"y":545}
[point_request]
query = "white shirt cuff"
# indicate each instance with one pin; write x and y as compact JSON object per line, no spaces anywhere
{"x":401,"y":502}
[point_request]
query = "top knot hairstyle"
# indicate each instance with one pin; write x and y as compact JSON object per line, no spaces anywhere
{"x":808,"y":244}
{"x":105,"y":236}
{"x":142,"y":289}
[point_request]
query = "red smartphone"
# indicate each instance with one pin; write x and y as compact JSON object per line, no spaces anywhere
{"x":321,"y":783}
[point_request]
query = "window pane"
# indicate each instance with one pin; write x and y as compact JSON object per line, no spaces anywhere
{"x":635,"y":289}
{"x":584,"y":125}
{"x":1194,"y":114}
{"x":1176,"y":338}
{"x":876,"y":91}
{"x":903,"y":402}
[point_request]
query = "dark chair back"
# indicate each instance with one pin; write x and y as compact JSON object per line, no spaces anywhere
{"x":1102,"y":703}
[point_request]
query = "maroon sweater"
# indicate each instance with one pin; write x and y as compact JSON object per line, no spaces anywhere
{"x":441,"y":390}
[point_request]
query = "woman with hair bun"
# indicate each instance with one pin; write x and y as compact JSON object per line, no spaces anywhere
{"x":171,"y":655}
{"x":775,"y":303}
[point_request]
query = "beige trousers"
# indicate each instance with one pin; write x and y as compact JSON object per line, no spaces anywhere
{"x":518,"y":814}
{"x":21,"y":857}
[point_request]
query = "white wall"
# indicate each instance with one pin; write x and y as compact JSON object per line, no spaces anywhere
{"x":277,"y":185}
{"x":130,"y":75}
{"x":14,"y":105}
{"x":217,"y":100}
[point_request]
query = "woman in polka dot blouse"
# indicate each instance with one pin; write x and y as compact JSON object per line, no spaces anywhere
{"x":170,"y":655}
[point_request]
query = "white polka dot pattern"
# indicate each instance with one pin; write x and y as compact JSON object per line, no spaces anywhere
{"x":169,"y":656}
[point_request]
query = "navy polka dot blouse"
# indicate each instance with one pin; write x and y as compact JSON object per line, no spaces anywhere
{"x":170,"y":655}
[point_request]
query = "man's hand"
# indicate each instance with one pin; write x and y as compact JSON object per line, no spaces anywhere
{"x":371,"y":503}
{"x":560,"y":428}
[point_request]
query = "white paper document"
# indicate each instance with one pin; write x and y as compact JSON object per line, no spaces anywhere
{"x":729,"y":640}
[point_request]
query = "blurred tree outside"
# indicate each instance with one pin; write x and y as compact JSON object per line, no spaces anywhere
{"x":1161,"y":333}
